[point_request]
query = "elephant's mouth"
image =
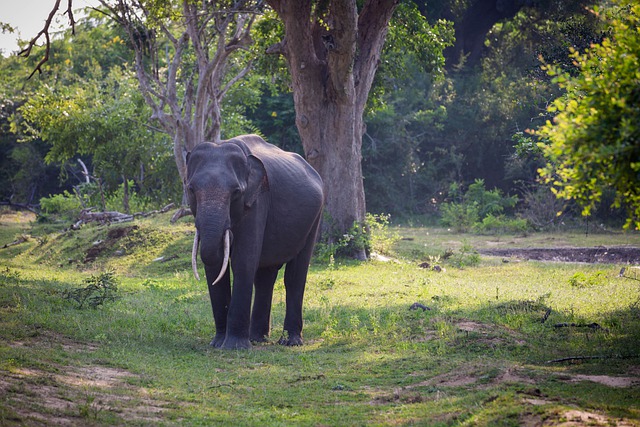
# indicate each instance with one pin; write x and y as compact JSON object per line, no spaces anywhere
{"x":225,"y":261}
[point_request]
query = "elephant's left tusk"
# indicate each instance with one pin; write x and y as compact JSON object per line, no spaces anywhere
{"x":194,"y":255}
{"x":225,"y":262}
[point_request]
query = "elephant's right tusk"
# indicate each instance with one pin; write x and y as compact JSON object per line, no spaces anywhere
{"x":225,"y":262}
{"x":194,"y":255}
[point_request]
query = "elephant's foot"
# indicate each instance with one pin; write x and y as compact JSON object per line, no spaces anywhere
{"x":259,"y":337}
{"x":234,"y":343}
{"x":217,"y":341}
{"x":290,"y":340}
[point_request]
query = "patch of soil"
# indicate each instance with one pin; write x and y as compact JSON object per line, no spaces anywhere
{"x":600,"y":254}
{"x":610,"y":381}
{"x":577,"y":417}
{"x":113,"y":235}
{"x":74,"y":395}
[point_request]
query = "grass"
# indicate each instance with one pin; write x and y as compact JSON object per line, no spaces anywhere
{"x":477,"y":356}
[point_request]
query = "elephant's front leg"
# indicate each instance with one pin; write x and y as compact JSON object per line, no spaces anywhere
{"x":239,"y":317}
{"x":261,"y":315}
{"x":220,"y":295}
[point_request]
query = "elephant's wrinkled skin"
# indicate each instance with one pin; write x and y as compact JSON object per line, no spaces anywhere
{"x":270,"y":201}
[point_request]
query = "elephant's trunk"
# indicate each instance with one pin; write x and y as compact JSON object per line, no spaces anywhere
{"x":225,"y":261}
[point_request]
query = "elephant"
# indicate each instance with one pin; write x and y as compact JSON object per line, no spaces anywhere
{"x":256,"y":209}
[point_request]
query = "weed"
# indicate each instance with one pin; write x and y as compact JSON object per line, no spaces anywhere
{"x":466,"y":256}
{"x":98,"y":289}
{"x":582,"y":280}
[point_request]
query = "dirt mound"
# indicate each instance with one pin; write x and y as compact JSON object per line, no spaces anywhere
{"x":113,"y":235}
{"x":600,"y":254}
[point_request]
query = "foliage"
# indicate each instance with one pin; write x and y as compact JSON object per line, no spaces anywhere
{"x":466,"y":256}
{"x":540,"y":207}
{"x":372,"y":236}
{"x":593,"y":142}
{"x":501,"y":224}
{"x":460,"y":216}
{"x":66,"y":205}
{"x":582,"y":280}
{"x":98,"y":289}
{"x":479,"y":209}
{"x":136,"y":201}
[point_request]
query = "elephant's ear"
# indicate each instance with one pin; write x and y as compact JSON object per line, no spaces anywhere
{"x":257,"y":183}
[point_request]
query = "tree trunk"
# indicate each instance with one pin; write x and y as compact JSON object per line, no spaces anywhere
{"x":333,"y":54}
{"x":125,"y":194}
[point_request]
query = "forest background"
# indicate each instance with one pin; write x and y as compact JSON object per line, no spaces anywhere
{"x":446,"y":133}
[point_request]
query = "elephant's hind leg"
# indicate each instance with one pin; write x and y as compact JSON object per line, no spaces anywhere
{"x":261,"y":315}
{"x":295,"y":279}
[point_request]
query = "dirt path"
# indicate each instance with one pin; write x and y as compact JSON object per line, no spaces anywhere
{"x":600,"y":254}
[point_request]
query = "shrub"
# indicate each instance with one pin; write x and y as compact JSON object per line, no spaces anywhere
{"x":371,"y":236}
{"x":501,"y":224}
{"x":98,"y":289}
{"x":479,"y":209}
{"x":65,"y":205}
{"x":460,"y":216}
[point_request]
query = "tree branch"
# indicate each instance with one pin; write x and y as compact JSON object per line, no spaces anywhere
{"x":45,"y":32}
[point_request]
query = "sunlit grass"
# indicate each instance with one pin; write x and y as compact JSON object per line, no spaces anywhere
{"x":367,"y":358}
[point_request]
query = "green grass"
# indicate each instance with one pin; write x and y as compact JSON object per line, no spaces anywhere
{"x":478,"y":356}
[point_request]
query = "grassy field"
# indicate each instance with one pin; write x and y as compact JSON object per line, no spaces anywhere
{"x":496,"y":342}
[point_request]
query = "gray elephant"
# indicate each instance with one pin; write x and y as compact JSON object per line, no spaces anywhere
{"x":258,"y":207}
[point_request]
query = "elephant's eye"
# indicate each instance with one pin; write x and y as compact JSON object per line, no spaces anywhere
{"x":235,"y":195}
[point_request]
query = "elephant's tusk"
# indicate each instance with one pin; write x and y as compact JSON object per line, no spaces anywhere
{"x":194,"y":255}
{"x":225,"y":263}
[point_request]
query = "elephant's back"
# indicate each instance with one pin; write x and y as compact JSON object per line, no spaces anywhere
{"x":283,"y":167}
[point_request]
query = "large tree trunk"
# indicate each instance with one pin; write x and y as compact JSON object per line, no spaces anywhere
{"x":333,"y":55}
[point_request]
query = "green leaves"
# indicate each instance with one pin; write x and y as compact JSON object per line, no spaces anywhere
{"x":594,"y":140}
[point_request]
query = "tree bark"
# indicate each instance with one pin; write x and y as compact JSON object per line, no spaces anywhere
{"x":333,"y":55}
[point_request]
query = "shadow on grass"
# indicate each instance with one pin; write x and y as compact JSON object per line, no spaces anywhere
{"x":377,"y":365}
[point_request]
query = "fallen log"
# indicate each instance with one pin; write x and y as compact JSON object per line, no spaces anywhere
{"x":22,"y":239}
{"x":111,"y":217}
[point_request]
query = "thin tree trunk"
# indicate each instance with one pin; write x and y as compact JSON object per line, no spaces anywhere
{"x":125,"y":194}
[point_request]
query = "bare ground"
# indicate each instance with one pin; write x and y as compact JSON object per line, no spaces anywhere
{"x":74,"y":395}
{"x":599,"y":254}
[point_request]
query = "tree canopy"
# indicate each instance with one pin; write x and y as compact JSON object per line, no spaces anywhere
{"x":429,"y":127}
{"x":593,"y":142}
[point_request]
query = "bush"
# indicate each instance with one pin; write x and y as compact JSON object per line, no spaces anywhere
{"x":460,"y":216}
{"x":480,"y":210}
{"x":98,"y":289}
{"x":371,"y":236}
{"x":137,"y":202}
{"x":501,"y":224}
{"x":66,"y":205}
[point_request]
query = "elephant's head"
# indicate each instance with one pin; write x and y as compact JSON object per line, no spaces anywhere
{"x":223,"y":183}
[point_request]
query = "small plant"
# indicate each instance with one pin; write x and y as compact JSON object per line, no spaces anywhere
{"x":98,"y":289}
{"x":466,"y":256}
{"x":460,"y":216}
{"x":582,"y":280}
{"x":371,"y":236}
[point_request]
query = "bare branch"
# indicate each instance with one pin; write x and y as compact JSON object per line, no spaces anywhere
{"x":45,"y":32}
{"x":236,"y":79}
